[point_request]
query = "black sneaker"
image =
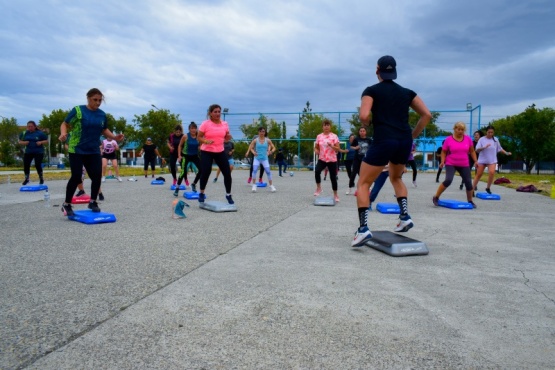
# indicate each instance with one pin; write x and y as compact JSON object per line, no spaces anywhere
{"x":229,"y":199}
{"x":93,"y":206}
{"x":460,"y":186}
{"x":176,"y":192}
{"x":41,"y":180}
{"x":67,"y":210}
{"x":488,"y":191}
{"x":100,"y":196}
{"x":473,"y":204}
{"x":26,"y":181}
{"x":80,"y":192}
{"x":201,"y":197}
{"x":194,"y":187}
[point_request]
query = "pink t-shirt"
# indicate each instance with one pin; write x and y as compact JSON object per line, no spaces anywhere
{"x":457,"y":151}
{"x":327,"y":154}
{"x":216,"y":132}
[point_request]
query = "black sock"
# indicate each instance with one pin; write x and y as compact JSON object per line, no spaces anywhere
{"x":363,"y":216}
{"x":403,"y":205}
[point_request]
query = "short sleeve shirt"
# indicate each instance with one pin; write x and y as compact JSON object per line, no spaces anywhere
{"x":325,"y":142}
{"x":32,"y":138}
{"x":457,"y":151}
{"x":85,"y":133}
{"x":215,"y":132}
{"x":488,"y":154}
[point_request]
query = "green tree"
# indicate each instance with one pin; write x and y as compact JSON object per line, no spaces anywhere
{"x":51,"y":124}
{"x":529,"y":135}
{"x":9,"y":137}
{"x":432,"y":130}
{"x":157,"y":125}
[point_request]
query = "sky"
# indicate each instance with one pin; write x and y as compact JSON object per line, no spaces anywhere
{"x":273,"y":56}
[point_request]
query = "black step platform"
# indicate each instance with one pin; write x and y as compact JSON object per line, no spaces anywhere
{"x":396,"y":245}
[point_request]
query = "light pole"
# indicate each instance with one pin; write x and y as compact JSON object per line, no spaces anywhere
{"x":155,"y":107}
{"x":226,"y":111}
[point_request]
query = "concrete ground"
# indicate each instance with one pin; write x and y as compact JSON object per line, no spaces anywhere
{"x":275,"y":285}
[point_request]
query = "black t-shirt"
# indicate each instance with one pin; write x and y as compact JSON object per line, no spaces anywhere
{"x":390,"y":110}
{"x":364,"y":145}
{"x":228,"y":147}
{"x":149,"y":151}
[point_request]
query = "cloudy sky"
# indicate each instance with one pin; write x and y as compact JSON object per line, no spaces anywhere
{"x":272,"y":56}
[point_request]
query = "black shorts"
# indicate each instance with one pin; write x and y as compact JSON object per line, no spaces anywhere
{"x":109,"y":155}
{"x":381,"y":152}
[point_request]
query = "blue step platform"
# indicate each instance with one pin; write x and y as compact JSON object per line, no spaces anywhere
{"x":261,"y":184}
{"x":181,"y":187}
{"x":485,"y":196}
{"x":388,"y":208}
{"x":33,"y":188}
{"x":157,"y":182}
{"x":454,"y":204}
{"x":190,"y":195}
{"x":89,"y":217}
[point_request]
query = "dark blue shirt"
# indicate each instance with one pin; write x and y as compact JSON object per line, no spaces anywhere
{"x":85,"y":133}
{"x":32,"y":138}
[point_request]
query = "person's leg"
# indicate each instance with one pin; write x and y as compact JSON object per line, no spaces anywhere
{"x":205,"y":168}
{"x":76,"y":168}
{"x":183,"y":172}
{"x":491,"y":174}
{"x":332,"y":169}
{"x":466,"y":175}
{"x":217,"y":174}
{"x":266,"y":166}
{"x":261,"y":173}
{"x":38,"y":166}
{"x":449,"y":175}
{"x":27,"y":159}
{"x":116,"y":167}
{"x":412,"y":164}
{"x":93,"y":165}
{"x":438,"y":173}
{"x":367,"y":175}
{"x":153,"y":165}
{"x":195,"y":159}
{"x":104,"y":166}
{"x":354,"y":171}
{"x":223,"y":165}
{"x":279,"y":168}
{"x":145,"y":167}
{"x":173,"y":167}
{"x":320,"y":165}
{"x":479,"y":172}
{"x":255,"y":165}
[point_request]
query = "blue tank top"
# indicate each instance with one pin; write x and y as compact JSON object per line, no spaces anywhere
{"x":192,"y":145}
{"x":261,"y":150}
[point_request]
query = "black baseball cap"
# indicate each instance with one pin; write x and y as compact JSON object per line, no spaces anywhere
{"x":387,"y":67}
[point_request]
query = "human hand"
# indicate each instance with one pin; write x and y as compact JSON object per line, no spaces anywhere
{"x":62,"y":137}
{"x":119,"y":137}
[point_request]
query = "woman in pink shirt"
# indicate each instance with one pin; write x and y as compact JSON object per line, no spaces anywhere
{"x":326,"y":147}
{"x":454,"y":156}
{"x":212,"y":134}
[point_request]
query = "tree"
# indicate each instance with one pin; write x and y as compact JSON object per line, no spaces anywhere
{"x":432,"y":130}
{"x":528,"y":135}
{"x":51,"y":124}
{"x":9,"y":137}
{"x":157,"y":125}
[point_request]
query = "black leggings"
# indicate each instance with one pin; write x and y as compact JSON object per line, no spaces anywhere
{"x":332,"y":168}
{"x":355,"y":170}
{"x":151,"y":161}
{"x":206,"y":159}
{"x":93,"y":166}
{"x":348,"y":167}
{"x":173,"y":166}
{"x":412,"y":164}
{"x":189,"y":158}
{"x":28,"y":158}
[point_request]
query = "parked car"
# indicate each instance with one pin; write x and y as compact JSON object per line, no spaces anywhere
{"x":310,"y":166}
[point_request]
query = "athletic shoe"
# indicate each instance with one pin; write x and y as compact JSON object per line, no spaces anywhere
{"x":435,"y":200}
{"x":26,"y":181}
{"x":254,"y":188}
{"x":41,"y":180}
{"x":146,"y":176}
{"x":405,"y":223}
{"x":414,"y":184}
{"x":194,"y":187}
{"x":229,"y":199}
{"x":152,"y":175}
{"x":119,"y":179}
{"x":361,"y":236}
{"x":201,"y":197}
{"x":100,"y":196}
{"x":488,"y":191}
{"x":336,"y":198}
{"x":272,"y":188}
{"x":94,"y":206}
{"x":317,"y":192}
{"x":325,"y":178}
{"x":80,"y":192}
{"x":260,"y":181}
{"x":174,"y":182}
{"x":176,"y":192}
{"x":473,"y":204}
{"x":186,"y":182}
{"x":67,"y":210}
{"x":215,"y":179}
{"x":349,"y":191}
{"x":460,"y":186}
{"x":249,"y":180}
{"x":103,"y":178}
{"x":370,"y":207}
{"x":355,"y":193}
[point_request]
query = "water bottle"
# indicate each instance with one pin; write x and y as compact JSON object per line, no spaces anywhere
{"x":46,"y":199}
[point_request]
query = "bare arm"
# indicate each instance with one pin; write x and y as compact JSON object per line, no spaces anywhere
{"x":473,"y":154}
{"x":251,"y":148}
{"x":425,"y":116}
{"x":180,"y":147}
{"x":109,"y":135}
{"x":365,"y":113}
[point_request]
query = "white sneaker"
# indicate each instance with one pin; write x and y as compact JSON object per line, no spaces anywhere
{"x":404,"y":225}
{"x":119,"y":179}
{"x":349,"y":191}
{"x":361,"y":236}
{"x":272,"y":188}
{"x":103,"y":178}
{"x":414,"y":184}
{"x":254,"y":188}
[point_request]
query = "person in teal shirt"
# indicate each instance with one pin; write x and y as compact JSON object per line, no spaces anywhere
{"x":34,"y":141}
